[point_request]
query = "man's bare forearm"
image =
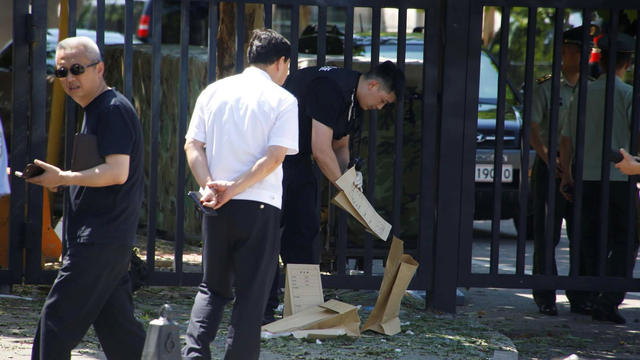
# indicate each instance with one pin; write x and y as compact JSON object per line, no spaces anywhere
{"x":328,"y":164}
{"x":197,"y":160}
{"x":341,"y":150}
{"x":260,"y":170}
{"x":114,"y":171}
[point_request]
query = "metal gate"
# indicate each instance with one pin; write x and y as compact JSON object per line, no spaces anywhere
{"x":29,"y":101}
{"x":521,"y":278}
{"x":448,"y":103}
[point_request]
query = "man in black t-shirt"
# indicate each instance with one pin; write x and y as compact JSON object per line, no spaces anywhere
{"x":93,"y":286}
{"x":330,"y":101}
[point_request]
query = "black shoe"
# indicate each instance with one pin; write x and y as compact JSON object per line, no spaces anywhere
{"x":548,"y":309}
{"x":611,"y":315}
{"x":584,"y":309}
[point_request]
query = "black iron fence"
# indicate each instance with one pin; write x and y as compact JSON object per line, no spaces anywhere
{"x":608,"y":18}
{"x":441,"y":141}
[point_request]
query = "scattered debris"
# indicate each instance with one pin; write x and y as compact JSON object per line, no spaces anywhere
{"x":5,"y":296}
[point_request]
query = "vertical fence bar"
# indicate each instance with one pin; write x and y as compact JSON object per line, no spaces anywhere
{"x":213,"y":41}
{"x":465,"y":249}
{"x":450,"y":202}
{"x":128,"y":50}
{"x":633,"y":149}
{"x":549,"y":253}
{"x":399,"y":133}
{"x":295,"y":36}
{"x":100,"y":25}
{"x":376,"y":19}
{"x":373,"y":134}
{"x":18,"y":149}
{"x":321,"y":57}
{"x":37,"y":137}
{"x":498,"y":152}
{"x":240,"y":36}
{"x":72,"y":18}
{"x":156,"y":98}
{"x":348,"y":39}
{"x":579,"y":150}
{"x":268,"y":15}
{"x":606,"y":143}
{"x":431,"y":53}
{"x":523,"y":214}
{"x":341,"y":241}
{"x":322,"y":36}
{"x":181,"y":131}
{"x":70,"y":109}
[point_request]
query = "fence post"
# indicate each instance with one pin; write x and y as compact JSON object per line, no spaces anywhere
{"x":18,"y":149}
{"x":452,"y":122}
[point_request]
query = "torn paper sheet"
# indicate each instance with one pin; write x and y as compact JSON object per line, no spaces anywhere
{"x":359,"y":207}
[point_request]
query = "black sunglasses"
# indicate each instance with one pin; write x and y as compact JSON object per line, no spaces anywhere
{"x":75,"y":69}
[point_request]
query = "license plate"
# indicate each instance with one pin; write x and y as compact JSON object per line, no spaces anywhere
{"x":485,"y":172}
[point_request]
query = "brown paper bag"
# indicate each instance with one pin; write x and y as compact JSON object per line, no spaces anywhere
{"x":302,"y":288}
{"x":331,"y":315}
{"x":398,"y":272}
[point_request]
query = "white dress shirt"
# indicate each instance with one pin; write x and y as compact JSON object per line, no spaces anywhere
{"x":238,"y":118}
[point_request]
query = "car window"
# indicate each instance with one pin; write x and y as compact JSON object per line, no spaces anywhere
{"x":488,"y":87}
{"x":488,"y":79}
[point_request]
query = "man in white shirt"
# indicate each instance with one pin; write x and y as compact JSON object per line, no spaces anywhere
{"x":241,"y":129}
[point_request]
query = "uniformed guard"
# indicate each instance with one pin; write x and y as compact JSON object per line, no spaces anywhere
{"x":540,"y":115}
{"x":606,"y":303}
{"x":330,"y":101}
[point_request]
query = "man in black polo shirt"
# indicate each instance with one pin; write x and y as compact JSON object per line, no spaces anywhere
{"x":330,"y":100}
{"x":93,"y":286}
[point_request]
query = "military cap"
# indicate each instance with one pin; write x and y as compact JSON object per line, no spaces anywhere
{"x":574,"y":36}
{"x":624,"y":43}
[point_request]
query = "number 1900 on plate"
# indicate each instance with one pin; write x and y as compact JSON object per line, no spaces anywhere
{"x":485,"y":173}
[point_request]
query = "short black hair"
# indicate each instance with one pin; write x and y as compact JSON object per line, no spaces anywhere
{"x":267,"y":46}
{"x":391,"y":78}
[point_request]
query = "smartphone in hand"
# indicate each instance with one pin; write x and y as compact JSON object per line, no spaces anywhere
{"x":615,"y":156}
{"x":205,"y":210}
{"x":31,"y":170}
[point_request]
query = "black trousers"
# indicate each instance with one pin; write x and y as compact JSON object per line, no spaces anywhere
{"x":617,"y":255}
{"x":562,"y":210}
{"x":240,"y":248}
{"x":300,"y":219}
{"x":92,"y":287}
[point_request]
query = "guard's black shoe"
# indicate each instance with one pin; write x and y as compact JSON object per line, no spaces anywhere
{"x":584,"y":309}
{"x":611,"y":315}
{"x":548,"y":309}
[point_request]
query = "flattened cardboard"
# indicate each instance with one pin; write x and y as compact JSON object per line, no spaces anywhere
{"x":302,"y":289}
{"x":318,"y":333}
{"x":398,"y":272}
{"x":331,"y":315}
{"x":358,"y":204}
